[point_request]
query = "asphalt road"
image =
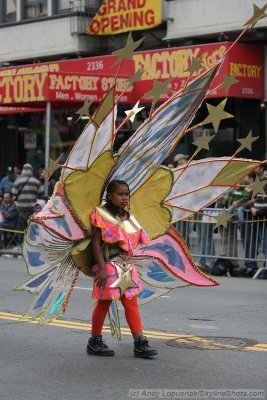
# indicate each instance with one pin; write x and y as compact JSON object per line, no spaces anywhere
{"x":207,"y":338}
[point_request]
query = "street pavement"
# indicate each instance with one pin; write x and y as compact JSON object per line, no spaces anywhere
{"x":207,"y":338}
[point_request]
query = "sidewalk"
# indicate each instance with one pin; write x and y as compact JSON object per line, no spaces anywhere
{"x":12,"y":252}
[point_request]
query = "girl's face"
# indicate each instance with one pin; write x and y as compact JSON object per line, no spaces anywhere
{"x":120,"y":196}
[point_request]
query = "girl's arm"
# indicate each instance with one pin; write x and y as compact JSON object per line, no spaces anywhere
{"x":99,"y":257}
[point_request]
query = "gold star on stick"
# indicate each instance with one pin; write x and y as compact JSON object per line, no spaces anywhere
{"x":132,"y":113}
{"x":84,"y":110}
{"x":257,"y":187}
{"x":124,"y":280}
{"x":105,"y":106}
{"x":127,"y":51}
{"x":246,"y":142}
{"x":53,"y":166}
{"x":228,"y":81}
{"x":195,"y":65}
{"x":203,"y":143}
{"x":258,"y":13}
{"x":216,"y":115}
{"x":135,"y":78}
{"x":159,"y":88}
{"x":222,"y":219}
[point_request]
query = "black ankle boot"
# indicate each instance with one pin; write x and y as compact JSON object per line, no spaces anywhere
{"x":142,"y":348}
{"x":97,"y":346}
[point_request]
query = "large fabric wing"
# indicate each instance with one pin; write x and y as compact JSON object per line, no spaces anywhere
{"x":57,"y":231}
{"x":200,"y":183}
{"x":163,"y":261}
{"x":145,"y":151}
{"x":48,"y":243}
{"x":52,"y":270}
{"x":58,"y":218}
{"x":96,"y":138}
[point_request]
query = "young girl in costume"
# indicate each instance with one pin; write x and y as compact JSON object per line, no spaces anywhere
{"x":115,"y":235}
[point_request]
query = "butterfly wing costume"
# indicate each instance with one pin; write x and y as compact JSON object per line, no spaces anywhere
{"x":57,"y":241}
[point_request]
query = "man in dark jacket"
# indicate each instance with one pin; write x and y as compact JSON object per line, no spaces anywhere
{"x":7,"y":183}
{"x":9,"y":214}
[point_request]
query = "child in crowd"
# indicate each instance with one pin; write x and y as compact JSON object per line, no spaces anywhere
{"x":39,"y":205}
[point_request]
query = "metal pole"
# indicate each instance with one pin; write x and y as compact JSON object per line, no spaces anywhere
{"x":47,"y":141}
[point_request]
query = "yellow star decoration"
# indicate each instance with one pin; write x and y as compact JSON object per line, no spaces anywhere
{"x":203,"y":143}
{"x":246,"y":142}
{"x":195,"y":65}
{"x":132,"y":113}
{"x":222,"y":219}
{"x":257,"y":187}
{"x":124,"y":280}
{"x":228,"y":81}
{"x":216,"y":115}
{"x":136,"y":77}
{"x":258,"y":13}
{"x":53,"y":166}
{"x":127,"y":51}
{"x":84,"y":110}
{"x":159,"y":88}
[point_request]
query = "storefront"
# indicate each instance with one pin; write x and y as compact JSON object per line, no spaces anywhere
{"x":38,"y":100}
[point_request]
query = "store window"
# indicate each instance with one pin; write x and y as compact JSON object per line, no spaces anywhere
{"x":35,"y":8}
{"x":10,"y":10}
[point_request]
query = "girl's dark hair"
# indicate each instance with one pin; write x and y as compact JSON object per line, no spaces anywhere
{"x":110,"y":188}
{"x":113,"y":184}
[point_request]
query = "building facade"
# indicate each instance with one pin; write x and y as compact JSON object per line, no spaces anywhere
{"x":43,"y":37}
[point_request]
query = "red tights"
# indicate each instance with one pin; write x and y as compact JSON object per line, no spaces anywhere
{"x":132,"y":315}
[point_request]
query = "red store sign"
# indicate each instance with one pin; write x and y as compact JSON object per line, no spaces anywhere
{"x":74,"y":81}
{"x":245,"y":62}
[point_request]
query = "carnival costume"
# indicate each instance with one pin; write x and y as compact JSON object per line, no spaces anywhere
{"x":123,"y":278}
{"x":57,"y":241}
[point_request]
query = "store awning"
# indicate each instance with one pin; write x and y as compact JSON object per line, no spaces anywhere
{"x":18,"y":110}
{"x":245,"y":62}
{"x":73,"y":81}
{"x":64,"y":82}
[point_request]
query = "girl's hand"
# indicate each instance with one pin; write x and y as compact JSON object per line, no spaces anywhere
{"x":102,"y":278}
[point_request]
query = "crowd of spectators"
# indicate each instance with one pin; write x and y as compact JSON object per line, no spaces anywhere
{"x":21,"y":195}
{"x":243,"y":206}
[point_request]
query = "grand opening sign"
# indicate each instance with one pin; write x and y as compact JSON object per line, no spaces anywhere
{"x":118,"y":16}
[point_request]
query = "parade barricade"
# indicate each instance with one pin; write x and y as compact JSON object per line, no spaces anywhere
{"x":240,"y":242}
{"x":9,"y":241}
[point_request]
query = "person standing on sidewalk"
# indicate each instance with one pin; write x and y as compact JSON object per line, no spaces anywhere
{"x":26,"y":190}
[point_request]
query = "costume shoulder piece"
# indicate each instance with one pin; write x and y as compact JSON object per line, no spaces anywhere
{"x":129,"y":234}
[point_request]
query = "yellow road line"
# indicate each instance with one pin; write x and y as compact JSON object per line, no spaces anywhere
{"x":87,"y":326}
{"x":185,"y":339}
{"x":82,"y":326}
{"x":261,"y":345}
